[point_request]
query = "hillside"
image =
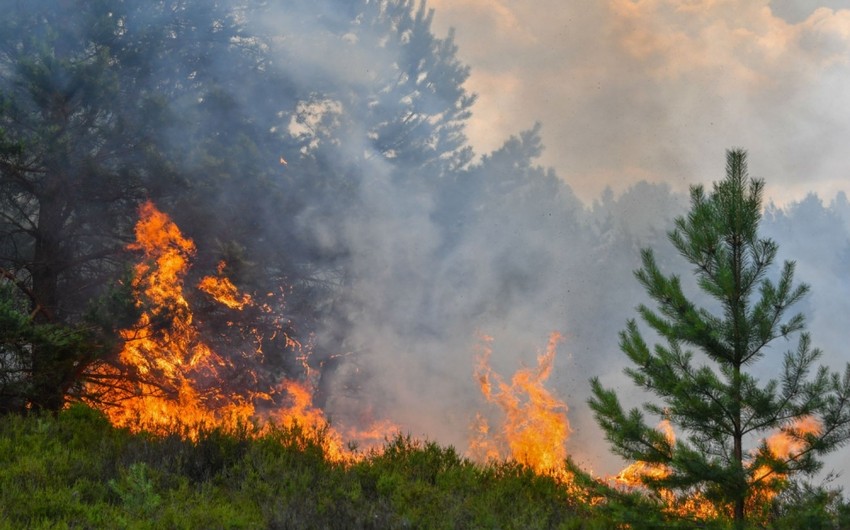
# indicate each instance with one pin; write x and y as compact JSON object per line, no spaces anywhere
{"x":77,"y":471}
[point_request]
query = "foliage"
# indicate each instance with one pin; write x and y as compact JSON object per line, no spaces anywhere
{"x":76,"y":470}
{"x":214,"y":111}
{"x":802,"y":505}
{"x":67,"y":347}
{"x":711,"y":393}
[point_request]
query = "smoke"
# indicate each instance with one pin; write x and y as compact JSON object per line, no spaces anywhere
{"x":656,"y":90}
{"x":502,"y":247}
{"x":363,"y":191}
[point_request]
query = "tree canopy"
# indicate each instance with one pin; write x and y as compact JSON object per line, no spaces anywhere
{"x":206,"y":109}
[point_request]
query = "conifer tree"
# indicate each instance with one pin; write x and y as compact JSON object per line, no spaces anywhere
{"x":703,"y":374}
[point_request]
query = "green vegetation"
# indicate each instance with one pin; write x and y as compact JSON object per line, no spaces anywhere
{"x":74,"y":470}
{"x":704,"y":375}
{"x":318,"y":180}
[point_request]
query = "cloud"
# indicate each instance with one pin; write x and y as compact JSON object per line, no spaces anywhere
{"x":496,"y":14}
{"x":658,"y":89}
{"x":795,"y":11}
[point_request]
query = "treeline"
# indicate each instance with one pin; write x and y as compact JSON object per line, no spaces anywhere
{"x":317,"y":148}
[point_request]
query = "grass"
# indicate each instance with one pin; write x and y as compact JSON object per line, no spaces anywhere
{"x":75,"y":470}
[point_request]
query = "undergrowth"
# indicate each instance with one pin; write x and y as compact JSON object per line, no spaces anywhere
{"x":75,"y":470}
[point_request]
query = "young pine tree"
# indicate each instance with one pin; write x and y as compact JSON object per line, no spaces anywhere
{"x":702,"y":375}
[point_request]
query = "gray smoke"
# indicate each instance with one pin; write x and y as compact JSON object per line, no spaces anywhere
{"x":326,"y":137}
{"x":508,"y":251}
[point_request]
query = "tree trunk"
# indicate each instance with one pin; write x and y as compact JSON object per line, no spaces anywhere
{"x":47,"y":370}
{"x":740,"y":486}
{"x":740,"y":515}
{"x":740,"y":346}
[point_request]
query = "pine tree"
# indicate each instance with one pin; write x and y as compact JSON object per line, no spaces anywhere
{"x":90,"y":101}
{"x":703,"y":376}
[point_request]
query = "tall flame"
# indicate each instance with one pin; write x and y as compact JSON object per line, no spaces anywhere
{"x":167,"y":375}
{"x":535,"y":427}
{"x":163,"y":364}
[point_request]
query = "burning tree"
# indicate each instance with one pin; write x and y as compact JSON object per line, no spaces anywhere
{"x":181,"y":371}
{"x":84,"y":128}
{"x":711,"y":393}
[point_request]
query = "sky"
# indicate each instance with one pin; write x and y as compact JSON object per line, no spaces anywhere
{"x":657,"y":90}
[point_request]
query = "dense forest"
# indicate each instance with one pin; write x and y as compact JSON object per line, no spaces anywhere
{"x":313,"y":156}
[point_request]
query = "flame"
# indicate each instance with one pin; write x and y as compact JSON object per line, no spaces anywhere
{"x":302,"y":413}
{"x":223,"y":291}
{"x":535,"y":427}
{"x":633,"y":475}
{"x":787,"y":445}
{"x":163,"y":351}
{"x":783,"y":445}
{"x":168,"y":376}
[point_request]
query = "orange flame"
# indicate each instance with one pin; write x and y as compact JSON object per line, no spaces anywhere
{"x":168,"y":376}
{"x":786,"y":445}
{"x":782,"y":445}
{"x":163,"y":349}
{"x":223,"y":291}
{"x":633,"y":474}
{"x":535,"y":427}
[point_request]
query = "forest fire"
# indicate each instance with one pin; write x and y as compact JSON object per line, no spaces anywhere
{"x":786,"y":445}
{"x":535,"y":427}
{"x":169,"y":376}
{"x":783,"y":446}
{"x":633,"y":475}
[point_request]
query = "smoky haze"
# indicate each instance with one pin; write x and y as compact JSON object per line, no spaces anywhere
{"x":505,"y":248}
{"x":404,"y":246}
{"x":500,"y":247}
{"x":653,"y":90}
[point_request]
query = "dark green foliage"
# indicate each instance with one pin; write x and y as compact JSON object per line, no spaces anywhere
{"x":702,"y":375}
{"x":75,"y":470}
{"x":65,"y":347}
{"x":814,"y":508}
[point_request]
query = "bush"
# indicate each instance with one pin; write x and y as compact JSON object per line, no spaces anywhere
{"x":75,"y":470}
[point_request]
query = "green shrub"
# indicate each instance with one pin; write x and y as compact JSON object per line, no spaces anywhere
{"x":76,"y":471}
